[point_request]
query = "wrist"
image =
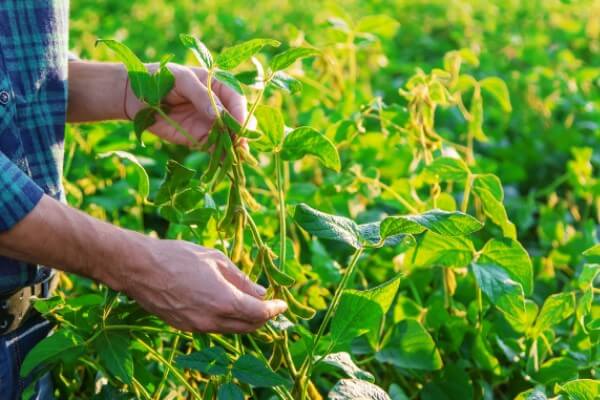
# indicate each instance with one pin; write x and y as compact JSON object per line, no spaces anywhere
{"x":123,"y":259}
{"x":96,"y":91}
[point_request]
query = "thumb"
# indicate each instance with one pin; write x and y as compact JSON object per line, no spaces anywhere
{"x":241,"y":281}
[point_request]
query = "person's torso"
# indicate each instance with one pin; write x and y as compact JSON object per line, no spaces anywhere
{"x":33,"y":101}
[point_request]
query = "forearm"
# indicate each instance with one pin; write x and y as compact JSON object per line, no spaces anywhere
{"x":59,"y":236}
{"x":96,"y":91}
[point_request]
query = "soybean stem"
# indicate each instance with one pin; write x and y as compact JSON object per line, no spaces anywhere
{"x":193,"y":392}
{"x":308,"y":361}
{"x":163,"y":381}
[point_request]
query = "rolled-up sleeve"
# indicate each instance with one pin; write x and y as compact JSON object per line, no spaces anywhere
{"x":18,"y":194}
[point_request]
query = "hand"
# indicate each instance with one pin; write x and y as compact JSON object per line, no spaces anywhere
{"x":189,"y":104}
{"x":198,"y":289}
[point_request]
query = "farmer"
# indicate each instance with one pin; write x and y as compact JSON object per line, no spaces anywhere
{"x":190,"y":287}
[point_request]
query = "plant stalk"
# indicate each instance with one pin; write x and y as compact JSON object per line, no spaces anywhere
{"x":306,"y":368}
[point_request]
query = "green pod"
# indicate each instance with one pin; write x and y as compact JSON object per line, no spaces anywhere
{"x":277,"y":358}
{"x":262,"y":336}
{"x":215,"y":161}
{"x":238,"y":237}
{"x":256,"y":268}
{"x":277,"y":275}
{"x":295,"y":307}
{"x":211,"y":140}
{"x":250,"y":200}
{"x":226,"y":225}
{"x":247,"y":157}
{"x":226,"y":166}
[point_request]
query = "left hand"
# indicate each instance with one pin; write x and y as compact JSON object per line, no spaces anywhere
{"x":189,"y":104}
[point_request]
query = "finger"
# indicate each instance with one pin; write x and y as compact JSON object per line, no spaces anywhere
{"x":234,"y":102}
{"x":231,"y":325}
{"x":251,"y":309}
{"x":240,"y":280}
{"x":189,"y":86}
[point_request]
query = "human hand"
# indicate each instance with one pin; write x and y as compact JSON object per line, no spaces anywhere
{"x":189,"y":104}
{"x":197,"y":289}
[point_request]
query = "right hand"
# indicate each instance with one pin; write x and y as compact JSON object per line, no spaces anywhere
{"x":197,"y":289}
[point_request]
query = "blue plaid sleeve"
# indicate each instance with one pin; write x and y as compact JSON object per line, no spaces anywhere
{"x":18,"y":194}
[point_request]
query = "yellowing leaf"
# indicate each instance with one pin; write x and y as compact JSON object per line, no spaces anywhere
{"x":304,"y":140}
{"x":233,"y":56}
{"x":498,"y":89}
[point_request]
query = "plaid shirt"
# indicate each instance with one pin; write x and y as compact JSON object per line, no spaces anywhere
{"x":33,"y":101}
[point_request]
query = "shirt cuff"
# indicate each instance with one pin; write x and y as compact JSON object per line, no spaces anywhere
{"x":18,"y":194}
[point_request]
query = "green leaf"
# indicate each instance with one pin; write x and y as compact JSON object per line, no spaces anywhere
{"x":235,"y":127}
{"x":581,"y":389}
{"x":113,"y":350}
{"x":270,"y":122}
{"x":392,"y":226}
{"x":531,"y":394}
{"x":498,"y":89}
{"x":360,"y":312}
{"x":411,"y":347}
{"x":522,"y":321}
{"x":230,"y":80}
{"x":381,"y":24}
{"x":510,"y":255}
{"x":446,"y":169}
{"x":491,"y":183}
{"x":46,"y":305}
{"x":230,"y":391}
{"x":397,"y":393}
{"x":200,"y":51}
{"x":326,"y":226}
{"x":210,"y":361}
{"x":57,"y":347}
{"x":406,"y":308}
{"x":177,"y":179}
{"x":251,"y":370}
{"x":233,"y":56}
{"x":370,"y":234}
{"x":305,"y":140}
{"x":556,"y":308}
{"x":483,"y":355}
{"x":356,"y":389}
{"x":283,"y":81}
{"x":143,"y":179}
{"x":344,"y":362}
{"x":163,"y":82}
{"x":495,"y":210}
{"x":500,"y":289}
{"x":140,"y":80}
{"x":556,"y":370}
{"x":199,"y":217}
{"x":476,"y":121}
{"x":446,"y":223}
{"x":593,"y":253}
{"x":143,"y":120}
{"x":588,"y":275}
{"x":450,"y":251}
{"x":283,"y":60}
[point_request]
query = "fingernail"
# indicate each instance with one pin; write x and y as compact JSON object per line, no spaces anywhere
{"x":260,"y":290}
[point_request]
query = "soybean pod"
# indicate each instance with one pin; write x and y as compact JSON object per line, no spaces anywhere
{"x":215,"y":161}
{"x":238,"y":237}
{"x":277,"y":275}
{"x":295,"y":307}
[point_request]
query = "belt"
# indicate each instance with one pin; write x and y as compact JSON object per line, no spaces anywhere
{"x":16,"y":307}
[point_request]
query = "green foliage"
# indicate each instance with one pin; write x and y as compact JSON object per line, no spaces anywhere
{"x":250,"y":370}
{"x":455,"y":147}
